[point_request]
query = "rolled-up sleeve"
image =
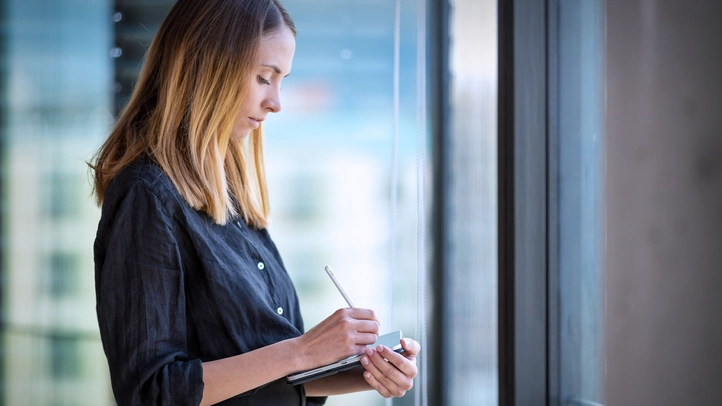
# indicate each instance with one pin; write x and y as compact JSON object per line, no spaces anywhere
{"x":141,"y":304}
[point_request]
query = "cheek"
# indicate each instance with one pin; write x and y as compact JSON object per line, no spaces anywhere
{"x":237,"y":121}
{"x":240,"y":126}
{"x":239,"y":116}
{"x":255,"y":96}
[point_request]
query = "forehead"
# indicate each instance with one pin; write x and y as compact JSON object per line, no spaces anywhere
{"x":277,"y":48}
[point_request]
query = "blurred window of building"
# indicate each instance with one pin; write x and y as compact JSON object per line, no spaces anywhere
{"x":65,"y":356}
{"x":56,"y":75}
{"x":63,"y":278}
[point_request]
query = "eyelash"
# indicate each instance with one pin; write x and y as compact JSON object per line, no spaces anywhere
{"x":263,"y":80}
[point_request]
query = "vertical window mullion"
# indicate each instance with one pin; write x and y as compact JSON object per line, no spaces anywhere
{"x":523,"y":203}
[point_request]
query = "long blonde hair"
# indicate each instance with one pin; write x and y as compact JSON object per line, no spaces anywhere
{"x":182,"y":110}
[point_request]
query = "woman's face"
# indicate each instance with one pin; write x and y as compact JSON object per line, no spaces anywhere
{"x":264,"y":94}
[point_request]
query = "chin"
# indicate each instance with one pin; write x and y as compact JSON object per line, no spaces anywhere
{"x":239,"y":135}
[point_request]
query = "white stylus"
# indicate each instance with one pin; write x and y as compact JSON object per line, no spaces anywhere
{"x":339,"y":286}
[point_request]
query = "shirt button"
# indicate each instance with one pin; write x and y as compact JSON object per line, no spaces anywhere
{"x":279,"y":310}
{"x":261,"y":266}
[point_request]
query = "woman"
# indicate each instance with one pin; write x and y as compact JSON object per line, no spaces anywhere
{"x":193,"y":301}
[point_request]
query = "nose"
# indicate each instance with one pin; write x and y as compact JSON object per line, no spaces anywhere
{"x":272,"y":103}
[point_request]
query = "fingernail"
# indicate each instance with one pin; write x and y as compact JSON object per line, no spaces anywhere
{"x":369,"y":351}
{"x":367,"y":375}
{"x":379,"y":348}
{"x":365,"y":361}
{"x":405,"y":342}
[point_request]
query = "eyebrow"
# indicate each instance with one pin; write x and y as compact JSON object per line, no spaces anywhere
{"x":275,"y":69}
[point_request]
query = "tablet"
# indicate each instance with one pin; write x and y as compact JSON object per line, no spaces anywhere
{"x":390,"y":340}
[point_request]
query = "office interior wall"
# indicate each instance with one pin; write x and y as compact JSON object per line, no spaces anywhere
{"x":664,"y":203}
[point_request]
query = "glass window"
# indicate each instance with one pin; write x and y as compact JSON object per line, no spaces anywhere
{"x":470,"y":216}
{"x":577,"y":170}
{"x":64,"y":358}
{"x":63,"y":279}
{"x":329,"y":164}
{"x":56,"y":107}
{"x":68,"y":66}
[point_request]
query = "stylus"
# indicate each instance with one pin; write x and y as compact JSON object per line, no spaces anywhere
{"x":339,"y":286}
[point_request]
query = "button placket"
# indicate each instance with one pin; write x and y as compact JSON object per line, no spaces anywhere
{"x":261,"y":266}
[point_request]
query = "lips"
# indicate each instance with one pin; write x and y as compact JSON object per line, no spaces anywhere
{"x":255,"y":121}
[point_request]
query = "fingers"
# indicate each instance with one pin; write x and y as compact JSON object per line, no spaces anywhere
{"x":367,"y":326}
{"x":360,"y":313}
{"x":402,"y":362}
{"x":359,"y":320}
{"x":364,"y":339}
{"x":357,"y":313}
{"x":361,"y":331}
{"x":411,"y":348}
{"x":390,"y":378}
{"x":349,"y":329}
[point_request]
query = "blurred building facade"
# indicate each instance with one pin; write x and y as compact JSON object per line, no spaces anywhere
{"x":55,"y":108}
{"x":68,"y":66}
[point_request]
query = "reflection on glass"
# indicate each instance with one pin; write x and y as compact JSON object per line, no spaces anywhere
{"x":579,"y":179}
{"x":471,"y":220}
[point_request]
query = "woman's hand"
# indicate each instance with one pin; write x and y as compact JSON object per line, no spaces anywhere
{"x":394,"y":377}
{"x":346,"y":332}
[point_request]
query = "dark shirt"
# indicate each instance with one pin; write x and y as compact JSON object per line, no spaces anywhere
{"x":174,"y":289}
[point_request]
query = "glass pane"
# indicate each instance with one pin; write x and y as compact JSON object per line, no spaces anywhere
{"x":329,"y":163}
{"x":67,"y":67}
{"x":471,"y":219}
{"x":56,"y":107}
{"x":579,"y":194}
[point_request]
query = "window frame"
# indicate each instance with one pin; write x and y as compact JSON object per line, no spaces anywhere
{"x":439,"y":114}
{"x":525,"y":376}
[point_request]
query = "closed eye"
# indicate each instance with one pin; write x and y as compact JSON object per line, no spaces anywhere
{"x":263,"y":80}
